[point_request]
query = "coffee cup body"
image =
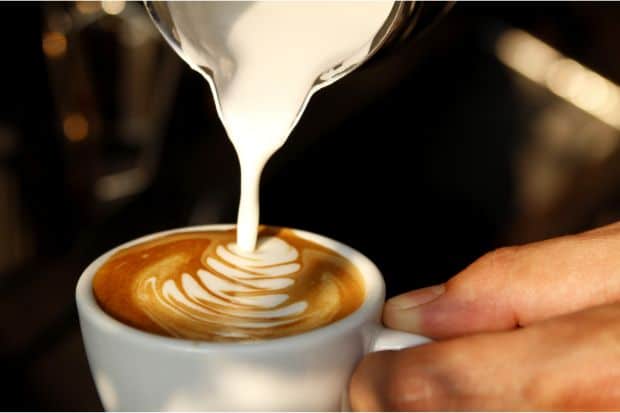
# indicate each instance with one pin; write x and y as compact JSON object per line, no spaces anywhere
{"x":139,"y":371}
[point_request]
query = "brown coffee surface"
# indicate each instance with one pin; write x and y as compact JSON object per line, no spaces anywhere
{"x":199,"y":286}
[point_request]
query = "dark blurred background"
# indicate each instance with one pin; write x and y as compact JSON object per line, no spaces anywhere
{"x":501,"y":125}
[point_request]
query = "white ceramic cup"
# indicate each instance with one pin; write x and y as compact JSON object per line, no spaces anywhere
{"x":139,"y":371}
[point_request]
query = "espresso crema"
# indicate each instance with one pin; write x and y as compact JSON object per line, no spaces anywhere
{"x":201,"y":286}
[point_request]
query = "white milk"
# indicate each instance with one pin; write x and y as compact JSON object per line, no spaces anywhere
{"x":263,"y":61}
{"x":224,"y":309}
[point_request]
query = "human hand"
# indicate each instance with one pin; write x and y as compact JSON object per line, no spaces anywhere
{"x":535,"y":327}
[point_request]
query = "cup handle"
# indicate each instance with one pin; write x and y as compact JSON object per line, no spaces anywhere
{"x":388,"y":339}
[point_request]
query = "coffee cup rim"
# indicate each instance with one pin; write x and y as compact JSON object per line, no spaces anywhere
{"x":374,"y":287}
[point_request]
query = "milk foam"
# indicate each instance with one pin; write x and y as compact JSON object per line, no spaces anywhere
{"x":263,"y":60}
{"x":234,"y":294}
{"x":221,"y":284}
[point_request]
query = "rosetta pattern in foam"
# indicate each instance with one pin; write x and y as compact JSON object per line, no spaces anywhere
{"x":236,"y":295}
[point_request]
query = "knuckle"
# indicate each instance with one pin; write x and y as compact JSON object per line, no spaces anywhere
{"x":419,"y":393}
{"x":498,"y":259}
{"x":501,"y":258}
{"x":486,"y":268}
{"x":411,"y":388}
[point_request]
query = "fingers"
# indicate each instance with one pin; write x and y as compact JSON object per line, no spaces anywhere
{"x":567,"y":363}
{"x":516,"y":286}
{"x":369,"y":387}
{"x":461,"y":374}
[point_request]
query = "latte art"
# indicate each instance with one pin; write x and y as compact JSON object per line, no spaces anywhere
{"x":201,"y":286}
{"x":234,"y":293}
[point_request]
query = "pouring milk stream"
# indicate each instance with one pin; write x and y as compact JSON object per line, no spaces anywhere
{"x":263,"y":61}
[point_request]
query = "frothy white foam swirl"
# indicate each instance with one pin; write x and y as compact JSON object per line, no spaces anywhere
{"x":235,"y":294}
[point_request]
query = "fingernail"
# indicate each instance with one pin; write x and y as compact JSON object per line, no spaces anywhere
{"x":416,"y":298}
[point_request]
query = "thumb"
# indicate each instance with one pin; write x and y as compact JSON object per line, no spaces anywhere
{"x":515,"y":286}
